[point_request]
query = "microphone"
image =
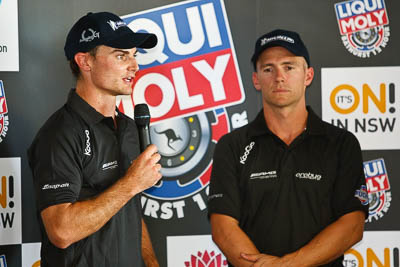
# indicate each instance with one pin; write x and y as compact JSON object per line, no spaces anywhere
{"x":142,"y":119}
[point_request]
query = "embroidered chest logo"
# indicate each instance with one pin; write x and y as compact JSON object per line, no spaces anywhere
{"x":247,"y":150}
{"x":308,"y":175}
{"x":88,"y":150}
{"x":110,"y":165}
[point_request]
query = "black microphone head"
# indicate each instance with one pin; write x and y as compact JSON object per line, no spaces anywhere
{"x":142,"y":114}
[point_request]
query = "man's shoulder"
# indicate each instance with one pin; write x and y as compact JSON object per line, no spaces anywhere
{"x":64,"y":119}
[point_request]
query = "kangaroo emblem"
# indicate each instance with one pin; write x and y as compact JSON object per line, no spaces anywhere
{"x":171,"y":136}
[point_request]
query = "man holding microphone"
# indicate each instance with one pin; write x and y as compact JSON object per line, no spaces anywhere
{"x":87,"y":168}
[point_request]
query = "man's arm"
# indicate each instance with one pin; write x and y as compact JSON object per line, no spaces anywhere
{"x":70,"y":222}
{"x":149,"y":257}
{"x":232,"y":241}
{"x":328,"y":245}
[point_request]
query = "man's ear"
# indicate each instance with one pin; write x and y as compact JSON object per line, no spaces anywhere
{"x":82,"y":60}
{"x":256,"y":83}
{"x":309,"y":76}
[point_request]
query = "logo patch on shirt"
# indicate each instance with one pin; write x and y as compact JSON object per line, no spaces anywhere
{"x":247,"y":150}
{"x":215,"y":196}
{"x":55,"y":186}
{"x":308,"y":175}
{"x":362,"y":195}
{"x":88,"y":150}
{"x":263,"y":175}
{"x":110,"y":165}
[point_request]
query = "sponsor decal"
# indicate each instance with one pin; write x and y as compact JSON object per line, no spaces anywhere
{"x":309,"y":176}
{"x":4,"y":123}
{"x":188,"y":80}
{"x":55,"y":186}
{"x":88,"y":37}
{"x":377,"y":248}
{"x":362,"y":195}
{"x":194,"y":251}
{"x":110,"y":165}
{"x":31,"y":254}
{"x":10,"y":201}
{"x":263,"y":175}
{"x":88,"y":150}
{"x":9,"y":50}
{"x":115,"y":25}
{"x":378,"y":186}
{"x":364,"y":101}
{"x":364,"y":26}
{"x":246,"y":153}
{"x":275,"y":38}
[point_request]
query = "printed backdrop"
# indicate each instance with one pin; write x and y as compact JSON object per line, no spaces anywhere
{"x":197,"y":83}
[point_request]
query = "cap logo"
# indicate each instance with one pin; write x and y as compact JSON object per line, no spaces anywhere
{"x":276,"y":38}
{"x":89,"y":38}
{"x":115,"y":25}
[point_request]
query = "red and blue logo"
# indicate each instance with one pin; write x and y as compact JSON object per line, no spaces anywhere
{"x":3,"y":113}
{"x":188,"y":81}
{"x":363,"y":25}
{"x":378,"y":186}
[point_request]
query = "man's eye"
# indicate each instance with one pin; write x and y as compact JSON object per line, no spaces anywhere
{"x":267,"y":70}
{"x":121,"y":57}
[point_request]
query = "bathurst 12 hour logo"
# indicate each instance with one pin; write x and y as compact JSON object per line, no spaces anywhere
{"x":188,"y":80}
{"x":3,"y":113}
{"x":378,"y":186}
{"x":364,"y":26}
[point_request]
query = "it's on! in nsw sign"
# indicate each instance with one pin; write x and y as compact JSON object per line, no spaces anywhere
{"x":187,"y":80}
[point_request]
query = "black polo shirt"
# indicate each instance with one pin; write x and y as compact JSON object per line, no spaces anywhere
{"x":284,"y":195}
{"x":76,"y":155}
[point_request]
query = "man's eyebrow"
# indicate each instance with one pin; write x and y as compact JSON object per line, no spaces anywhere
{"x":119,"y":51}
{"x":290,"y":62}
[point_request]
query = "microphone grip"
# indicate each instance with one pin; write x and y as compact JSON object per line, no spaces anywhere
{"x":144,"y":137}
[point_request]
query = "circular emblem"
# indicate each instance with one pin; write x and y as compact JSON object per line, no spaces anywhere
{"x":368,"y":40}
{"x":186,"y":146}
{"x":379,"y":203}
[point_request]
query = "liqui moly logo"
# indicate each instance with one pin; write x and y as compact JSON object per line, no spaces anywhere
{"x":3,"y":113}
{"x":193,"y":67}
{"x":363,"y":25}
{"x":378,"y":187}
{"x":187,"y":80}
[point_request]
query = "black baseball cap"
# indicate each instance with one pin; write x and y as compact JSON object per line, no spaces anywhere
{"x":104,"y":28}
{"x":284,"y":38}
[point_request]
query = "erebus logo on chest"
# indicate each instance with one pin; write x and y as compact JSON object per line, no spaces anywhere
{"x":247,"y":150}
{"x":88,"y":150}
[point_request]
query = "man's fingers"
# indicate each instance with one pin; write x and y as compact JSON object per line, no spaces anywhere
{"x":250,"y":257}
{"x":150,"y":150}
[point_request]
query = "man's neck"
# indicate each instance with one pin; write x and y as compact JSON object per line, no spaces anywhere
{"x":100,"y":101}
{"x":286,"y":123}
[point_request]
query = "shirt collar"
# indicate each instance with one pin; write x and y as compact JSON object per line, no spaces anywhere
{"x":87,"y":112}
{"x":315,"y":125}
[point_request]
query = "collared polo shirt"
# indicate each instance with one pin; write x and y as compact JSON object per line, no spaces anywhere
{"x":284,"y":195}
{"x":76,"y":155}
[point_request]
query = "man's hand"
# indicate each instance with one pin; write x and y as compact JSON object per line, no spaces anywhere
{"x":264,"y":260}
{"x":144,"y":172}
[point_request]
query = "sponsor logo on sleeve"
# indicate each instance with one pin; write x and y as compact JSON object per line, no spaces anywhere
{"x":55,"y":186}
